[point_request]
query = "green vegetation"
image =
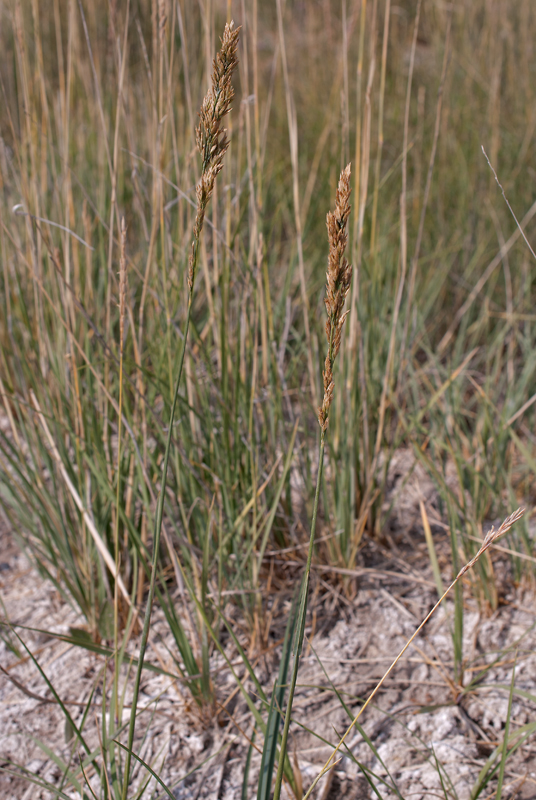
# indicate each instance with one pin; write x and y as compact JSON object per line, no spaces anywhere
{"x":161,"y":437}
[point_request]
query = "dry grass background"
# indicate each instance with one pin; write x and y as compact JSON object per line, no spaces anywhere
{"x":436,"y":369}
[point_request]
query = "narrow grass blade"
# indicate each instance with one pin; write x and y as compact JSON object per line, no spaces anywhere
{"x":244,"y":794}
{"x":271,"y":737}
{"x":149,"y":769}
{"x":60,"y":763}
{"x":431,"y":550}
{"x":38,"y":782}
{"x":80,"y":638}
{"x":504,"y":754}
{"x":58,"y":699}
{"x":490,"y":767}
{"x":440,"y":773}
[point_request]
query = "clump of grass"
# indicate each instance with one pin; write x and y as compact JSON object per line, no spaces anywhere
{"x":464,"y":401}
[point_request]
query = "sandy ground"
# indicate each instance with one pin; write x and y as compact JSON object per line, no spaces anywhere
{"x":433,"y":740}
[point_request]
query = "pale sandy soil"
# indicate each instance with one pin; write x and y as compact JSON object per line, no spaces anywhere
{"x":416,"y":724}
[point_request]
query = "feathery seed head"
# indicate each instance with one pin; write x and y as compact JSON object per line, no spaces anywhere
{"x":338,"y":280}
{"x":491,"y":537}
{"x":211,"y":139}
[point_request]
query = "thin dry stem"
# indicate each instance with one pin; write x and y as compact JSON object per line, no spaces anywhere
{"x":522,"y":232}
{"x":122,"y":283}
{"x":338,"y":280}
{"x":420,"y":233}
{"x":481,"y":282}
{"x":162,"y":19}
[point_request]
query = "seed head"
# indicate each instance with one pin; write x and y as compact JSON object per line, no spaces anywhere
{"x":338,"y":280}
{"x":211,"y":138}
{"x":491,"y":537}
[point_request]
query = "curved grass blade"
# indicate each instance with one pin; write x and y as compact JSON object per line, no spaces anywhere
{"x":490,"y":768}
{"x":161,"y":783}
{"x":439,"y":769}
{"x":80,"y":638}
{"x":41,"y":783}
{"x":58,"y":761}
{"x":58,"y":699}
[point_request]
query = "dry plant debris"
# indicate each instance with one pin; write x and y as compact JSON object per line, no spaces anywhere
{"x":415,"y":720}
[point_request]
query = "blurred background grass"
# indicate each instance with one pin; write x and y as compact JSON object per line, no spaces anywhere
{"x":99,"y":112}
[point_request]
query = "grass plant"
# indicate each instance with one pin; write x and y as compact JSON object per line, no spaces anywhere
{"x":338,"y":282}
{"x":212,"y":143}
{"x":160,"y":334}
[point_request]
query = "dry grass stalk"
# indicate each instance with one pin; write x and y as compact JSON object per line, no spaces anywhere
{"x":162,"y":19}
{"x":293,"y":141}
{"x":122,"y":313}
{"x":97,"y":538}
{"x":122,"y":284}
{"x":338,"y":280}
{"x":427,"y":189}
{"x":211,"y":139}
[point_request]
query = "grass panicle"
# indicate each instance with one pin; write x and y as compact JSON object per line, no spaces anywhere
{"x":211,"y":138}
{"x":338,"y":281}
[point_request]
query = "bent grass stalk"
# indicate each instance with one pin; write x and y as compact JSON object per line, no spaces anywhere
{"x":490,"y":539}
{"x":97,"y":538}
{"x":212,"y":143}
{"x":122,"y":305}
{"x":338,"y":279}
